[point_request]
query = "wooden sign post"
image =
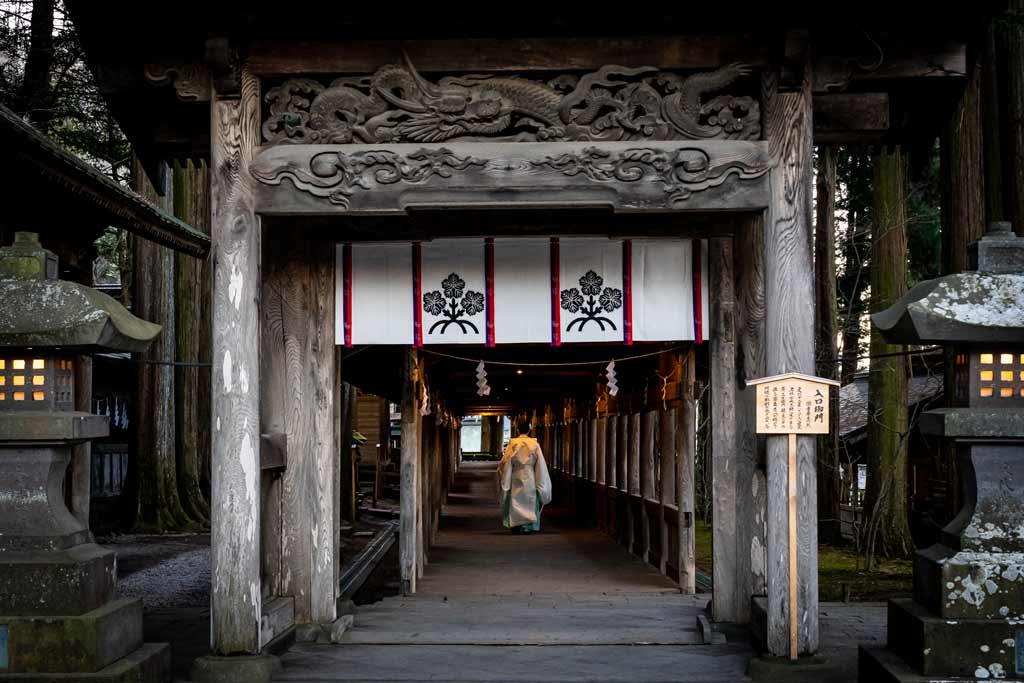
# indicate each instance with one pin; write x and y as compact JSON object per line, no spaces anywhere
{"x":792,"y":404}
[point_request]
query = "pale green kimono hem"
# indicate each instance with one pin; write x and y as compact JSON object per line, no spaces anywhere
{"x":506,"y":514}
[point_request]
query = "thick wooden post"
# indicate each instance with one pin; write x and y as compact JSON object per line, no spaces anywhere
{"x":592,"y":451}
{"x":611,"y":452}
{"x":751,"y":530}
{"x":686,"y":449}
{"x":634,"y":482}
{"x":622,"y":453}
{"x":723,"y":432}
{"x":235,"y":233}
{"x":297,"y":345}
{"x":667,"y":475}
{"x":600,"y":443}
{"x":648,"y":425}
{"x":408,"y":552}
{"x":789,"y":347}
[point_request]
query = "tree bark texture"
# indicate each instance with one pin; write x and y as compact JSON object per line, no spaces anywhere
{"x":1011,"y":77}
{"x":155,"y":503}
{"x":34,"y":95}
{"x":825,"y":324}
{"x":887,"y":532}
{"x":191,"y":326}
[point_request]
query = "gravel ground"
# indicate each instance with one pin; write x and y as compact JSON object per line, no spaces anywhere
{"x":164,"y":571}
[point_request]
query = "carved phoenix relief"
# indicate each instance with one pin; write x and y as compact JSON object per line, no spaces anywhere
{"x":396,"y":104}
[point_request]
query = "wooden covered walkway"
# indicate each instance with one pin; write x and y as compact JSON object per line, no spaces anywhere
{"x":567,"y":604}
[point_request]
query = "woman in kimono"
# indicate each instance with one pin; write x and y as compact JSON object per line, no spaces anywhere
{"x":523,"y":482}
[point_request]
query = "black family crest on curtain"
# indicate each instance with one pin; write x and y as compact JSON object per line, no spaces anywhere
{"x":591,"y":300}
{"x":452,"y":302}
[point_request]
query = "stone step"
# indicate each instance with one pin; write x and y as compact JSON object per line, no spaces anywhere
{"x":151,"y":663}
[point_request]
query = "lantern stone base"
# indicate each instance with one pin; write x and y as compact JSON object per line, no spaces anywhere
{"x":86,"y":642}
{"x":48,"y":582}
{"x":235,"y":669}
{"x":969,"y":584}
{"x":151,"y":663}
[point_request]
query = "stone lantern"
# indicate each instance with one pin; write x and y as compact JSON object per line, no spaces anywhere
{"x":58,"y":612}
{"x":967,"y":614}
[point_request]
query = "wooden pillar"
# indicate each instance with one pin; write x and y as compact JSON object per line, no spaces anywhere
{"x":667,"y":440}
{"x":789,"y":347}
{"x":723,"y":432}
{"x":600,"y":444}
{"x":235,"y":604}
{"x":408,"y":552}
{"x":635,"y":544}
{"x":81,"y":459}
{"x":622,"y":452}
{"x":686,"y":450}
{"x":751,"y":521}
{"x":611,"y":451}
{"x":648,"y":424}
{"x":298,"y":361}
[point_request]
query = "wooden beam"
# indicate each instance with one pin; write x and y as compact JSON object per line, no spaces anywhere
{"x":748,"y":256}
{"x":235,"y":605}
{"x":318,"y":179}
{"x":273,"y":451}
{"x":789,"y":347}
{"x":850,"y":117}
{"x":723,"y":432}
{"x":407,"y":540}
{"x":686,"y":447}
{"x":504,"y":55}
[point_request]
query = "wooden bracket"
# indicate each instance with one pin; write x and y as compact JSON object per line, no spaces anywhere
{"x":795,"y":56}
{"x":274,"y":452}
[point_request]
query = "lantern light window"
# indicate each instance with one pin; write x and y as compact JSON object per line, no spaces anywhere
{"x":1005,"y":392}
{"x":17,"y":365}
{"x":3,"y":396}
{"x":1006,"y":375}
{"x":40,"y":380}
{"x":38,"y":364}
{"x":19,"y":395}
{"x":3,"y":365}
{"x":18,"y":380}
{"x":987,"y":359}
{"x":1006,"y":358}
{"x":38,"y":396}
{"x":987,"y":375}
{"x":986,"y":392}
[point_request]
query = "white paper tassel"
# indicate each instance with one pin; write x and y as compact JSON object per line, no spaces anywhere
{"x":424,"y":400}
{"x":613,"y":385}
{"x":482,"y":389}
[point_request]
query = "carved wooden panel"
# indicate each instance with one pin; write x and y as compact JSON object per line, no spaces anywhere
{"x":383,"y":179}
{"x":398,"y":105}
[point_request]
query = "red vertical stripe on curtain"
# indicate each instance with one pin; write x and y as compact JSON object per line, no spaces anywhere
{"x":346,"y":258}
{"x":489,"y":284}
{"x":556,"y":317}
{"x":417,"y":294}
{"x":627,"y":291}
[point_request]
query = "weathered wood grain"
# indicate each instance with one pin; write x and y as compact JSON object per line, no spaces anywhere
{"x":723,"y":434}
{"x":751,"y":532}
{"x":686,"y":447}
{"x":634,"y":455}
{"x":600,"y":448}
{"x":407,"y":540}
{"x":648,"y":480}
{"x":612,"y":451}
{"x":592,"y":449}
{"x":235,"y":603}
{"x":789,"y":347}
{"x":280,"y":57}
{"x":666,"y":477}
{"x":360,"y":179}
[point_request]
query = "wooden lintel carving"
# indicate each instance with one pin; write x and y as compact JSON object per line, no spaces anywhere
{"x":624,"y":176}
{"x":191,"y":81}
{"x":398,"y":105}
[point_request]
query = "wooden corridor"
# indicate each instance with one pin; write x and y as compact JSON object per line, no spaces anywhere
{"x":566,"y":604}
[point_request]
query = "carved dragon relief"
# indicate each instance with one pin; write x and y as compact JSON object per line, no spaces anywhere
{"x":676,"y":173}
{"x":396,"y":104}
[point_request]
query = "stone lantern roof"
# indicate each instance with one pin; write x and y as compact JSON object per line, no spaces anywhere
{"x":981,"y":307}
{"x":42,"y":311}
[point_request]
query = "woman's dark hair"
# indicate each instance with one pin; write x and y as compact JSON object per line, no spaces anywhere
{"x":523,"y":426}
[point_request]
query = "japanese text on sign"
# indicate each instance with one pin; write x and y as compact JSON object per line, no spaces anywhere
{"x":791,"y":405}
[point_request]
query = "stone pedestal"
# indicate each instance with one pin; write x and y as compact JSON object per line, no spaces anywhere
{"x":57,"y":588}
{"x":966,"y":619}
